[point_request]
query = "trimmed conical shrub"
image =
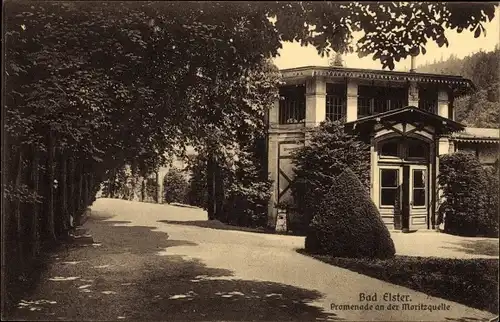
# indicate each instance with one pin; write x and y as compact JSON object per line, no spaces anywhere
{"x":347,"y":223}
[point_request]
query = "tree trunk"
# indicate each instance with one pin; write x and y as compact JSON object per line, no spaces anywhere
{"x":219,"y":193}
{"x":49,"y":235}
{"x":211,"y":200}
{"x":91,"y":188}
{"x":35,"y":234}
{"x":79,"y":195}
{"x":143,"y":189}
{"x":20,"y":242}
{"x":112,"y":183}
{"x":63,"y":194}
{"x":71,"y":197}
{"x":158,"y":188}
{"x":85,"y":188}
{"x":17,"y":204}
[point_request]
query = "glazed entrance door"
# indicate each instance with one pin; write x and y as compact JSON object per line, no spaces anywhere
{"x":418,"y":194}
{"x":415,"y":197}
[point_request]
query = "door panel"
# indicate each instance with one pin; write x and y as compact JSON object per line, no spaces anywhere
{"x":389,"y":194}
{"x":419,"y":196}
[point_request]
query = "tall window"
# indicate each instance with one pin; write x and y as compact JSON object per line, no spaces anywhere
{"x":292,"y":108}
{"x":419,"y":188}
{"x":428,"y":98}
{"x":335,"y":102}
{"x":389,"y":186}
{"x":377,"y":99}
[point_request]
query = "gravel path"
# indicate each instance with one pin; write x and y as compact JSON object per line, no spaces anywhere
{"x":143,"y":269}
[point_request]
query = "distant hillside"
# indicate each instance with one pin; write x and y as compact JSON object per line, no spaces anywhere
{"x":481,"y":109}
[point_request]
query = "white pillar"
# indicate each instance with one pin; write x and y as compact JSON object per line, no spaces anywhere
{"x":413,"y":94}
{"x":272,"y":159}
{"x":452,"y":147}
{"x":315,"y":101}
{"x":442,"y":108}
{"x":352,"y":101}
{"x":274,"y":113}
{"x":444,"y":145}
{"x":374,"y":185}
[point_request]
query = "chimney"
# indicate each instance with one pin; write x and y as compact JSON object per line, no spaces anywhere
{"x":412,"y":64}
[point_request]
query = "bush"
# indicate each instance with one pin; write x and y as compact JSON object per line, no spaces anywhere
{"x":174,"y":186}
{"x":197,"y":187}
{"x":347,"y":223}
{"x":248,"y":188}
{"x":329,"y":151}
{"x":470,"y":193}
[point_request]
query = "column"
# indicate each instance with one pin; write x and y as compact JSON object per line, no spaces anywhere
{"x":374,"y":185}
{"x":452,"y":147}
{"x":442,"y":108}
{"x":315,"y":101}
{"x":413,"y":94}
{"x":274,"y":113}
{"x":444,"y":145}
{"x":352,"y":101}
{"x":273,"y":175}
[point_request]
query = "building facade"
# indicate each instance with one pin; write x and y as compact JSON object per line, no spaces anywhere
{"x":407,"y":117}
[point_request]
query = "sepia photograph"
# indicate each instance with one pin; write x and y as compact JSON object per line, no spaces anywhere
{"x":250,"y":161}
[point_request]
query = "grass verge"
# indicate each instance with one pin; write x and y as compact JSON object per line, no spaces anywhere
{"x":216,"y":224}
{"x":472,"y":282}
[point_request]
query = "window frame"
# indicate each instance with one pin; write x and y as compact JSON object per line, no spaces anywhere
{"x":424,"y":188}
{"x":293,"y":94}
{"x":381,"y":187}
{"x":336,"y":91}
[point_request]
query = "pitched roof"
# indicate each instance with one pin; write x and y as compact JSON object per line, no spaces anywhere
{"x":408,"y":113}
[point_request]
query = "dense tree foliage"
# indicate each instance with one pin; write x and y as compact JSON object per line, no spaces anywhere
{"x":482,"y":108}
{"x":174,"y":186}
{"x":316,"y":165}
{"x":196,"y":194}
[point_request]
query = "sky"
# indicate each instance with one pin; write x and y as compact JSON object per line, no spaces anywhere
{"x":463,"y":44}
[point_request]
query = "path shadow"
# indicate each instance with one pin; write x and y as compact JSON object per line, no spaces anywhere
{"x":126,"y":277}
{"x":199,"y":293}
{"x":216,"y":224}
{"x":487,"y":247}
{"x":134,"y":239}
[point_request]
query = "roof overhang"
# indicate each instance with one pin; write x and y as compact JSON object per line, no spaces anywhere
{"x":408,"y":114}
{"x":477,"y":135}
{"x":476,"y":140}
{"x":458,"y":84}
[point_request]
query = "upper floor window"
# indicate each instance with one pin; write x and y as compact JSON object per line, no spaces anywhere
{"x":428,"y":98}
{"x":416,"y":149}
{"x":390,"y":149}
{"x":378,"y":99}
{"x":292,"y":109}
{"x":335,"y":102}
{"x":404,"y":149}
